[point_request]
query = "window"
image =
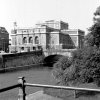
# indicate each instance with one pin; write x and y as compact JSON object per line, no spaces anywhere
{"x":39,"y":47}
{"x":30,"y":40}
{"x":36,"y":40}
{"x":22,"y":48}
{"x":34,"y":48}
{"x":24,"y":40}
{"x":24,"y":31}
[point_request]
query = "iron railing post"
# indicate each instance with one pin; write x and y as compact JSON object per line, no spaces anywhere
{"x":75,"y":96}
{"x":22,"y":94}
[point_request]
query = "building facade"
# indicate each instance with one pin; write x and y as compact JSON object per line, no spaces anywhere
{"x":4,"y":40}
{"x":60,"y":25}
{"x":48,"y":35}
{"x":77,"y":36}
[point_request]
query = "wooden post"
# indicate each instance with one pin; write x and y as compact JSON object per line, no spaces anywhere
{"x":22,"y":94}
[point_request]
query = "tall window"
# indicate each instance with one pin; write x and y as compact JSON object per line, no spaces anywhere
{"x":36,"y":40}
{"x":24,"y":40}
{"x":30,"y":40}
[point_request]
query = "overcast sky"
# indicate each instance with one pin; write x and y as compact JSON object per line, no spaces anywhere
{"x":78,"y":13}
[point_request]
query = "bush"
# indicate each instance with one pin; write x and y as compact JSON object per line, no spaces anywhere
{"x":63,"y":71}
{"x":88,"y":64}
{"x":24,"y":60}
{"x":82,"y":67}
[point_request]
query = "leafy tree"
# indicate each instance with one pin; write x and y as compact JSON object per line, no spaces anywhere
{"x":97,"y":15}
{"x":84,"y":65}
{"x":93,"y":37}
{"x":87,"y":62}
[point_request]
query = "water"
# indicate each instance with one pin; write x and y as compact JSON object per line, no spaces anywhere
{"x":39,"y":74}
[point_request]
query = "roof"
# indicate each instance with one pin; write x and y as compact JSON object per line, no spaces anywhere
{"x":25,"y":28}
{"x":59,"y":32}
{"x":74,"y":30}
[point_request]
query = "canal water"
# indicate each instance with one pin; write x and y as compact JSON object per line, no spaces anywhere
{"x":37,"y":74}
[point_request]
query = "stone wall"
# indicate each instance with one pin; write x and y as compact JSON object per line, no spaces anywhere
{"x":8,"y":61}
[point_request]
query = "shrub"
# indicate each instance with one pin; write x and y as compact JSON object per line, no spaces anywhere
{"x":82,"y":67}
{"x":88,"y":64}
{"x":60,"y":69}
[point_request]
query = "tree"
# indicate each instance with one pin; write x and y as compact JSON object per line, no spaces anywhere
{"x":97,"y":15}
{"x":87,"y":62}
{"x":93,"y":37}
{"x":84,"y":65}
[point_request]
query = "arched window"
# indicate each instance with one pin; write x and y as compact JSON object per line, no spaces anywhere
{"x":36,"y":40}
{"x":30,"y":40}
{"x":34,"y":48}
{"x":24,"y":40}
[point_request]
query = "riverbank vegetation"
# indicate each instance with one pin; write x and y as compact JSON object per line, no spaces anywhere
{"x":83,"y":68}
{"x":84,"y":65}
{"x":14,"y":61}
{"x":23,"y":61}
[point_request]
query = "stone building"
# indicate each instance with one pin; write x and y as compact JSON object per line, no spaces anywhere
{"x":60,"y":40}
{"x":60,"y":25}
{"x":48,"y":35}
{"x":76,"y":35}
{"x":4,"y":40}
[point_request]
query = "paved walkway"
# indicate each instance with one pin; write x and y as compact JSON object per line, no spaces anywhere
{"x":39,"y":95}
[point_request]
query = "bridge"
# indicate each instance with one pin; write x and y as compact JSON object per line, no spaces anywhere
{"x":64,"y":52}
{"x":52,"y":56}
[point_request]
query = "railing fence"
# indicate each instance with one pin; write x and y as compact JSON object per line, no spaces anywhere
{"x":22,"y":84}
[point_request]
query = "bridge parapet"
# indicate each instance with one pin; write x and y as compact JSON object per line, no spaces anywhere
{"x":65,"y":52}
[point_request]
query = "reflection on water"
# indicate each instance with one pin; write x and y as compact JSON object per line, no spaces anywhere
{"x":38,"y":74}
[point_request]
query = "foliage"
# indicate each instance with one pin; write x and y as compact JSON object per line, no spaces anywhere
{"x":62,"y":70}
{"x":83,"y":67}
{"x":24,"y":60}
{"x":93,"y":37}
{"x":88,"y":64}
{"x":97,"y":15}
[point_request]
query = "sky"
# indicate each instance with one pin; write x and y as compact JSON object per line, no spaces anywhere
{"x":77,"y":13}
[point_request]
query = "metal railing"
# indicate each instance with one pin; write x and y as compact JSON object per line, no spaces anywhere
{"x":22,"y":84}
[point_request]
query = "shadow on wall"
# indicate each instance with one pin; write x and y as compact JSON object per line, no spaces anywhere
{"x":51,"y":59}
